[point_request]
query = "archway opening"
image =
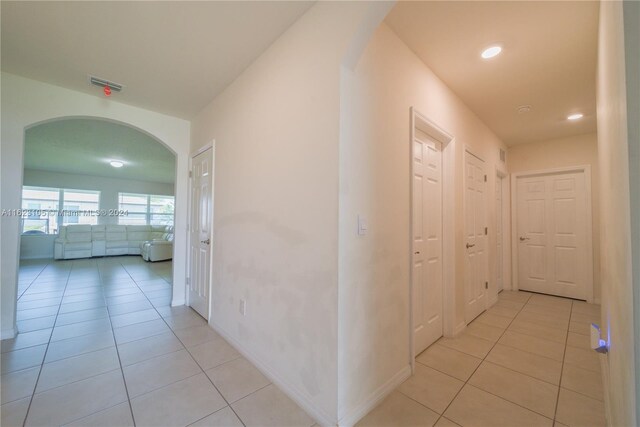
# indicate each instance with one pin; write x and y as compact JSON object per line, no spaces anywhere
{"x":96,"y":232}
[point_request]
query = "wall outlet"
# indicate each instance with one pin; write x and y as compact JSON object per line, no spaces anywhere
{"x":243,"y":307}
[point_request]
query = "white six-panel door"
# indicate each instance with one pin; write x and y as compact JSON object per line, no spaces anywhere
{"x":427,"y":241}
{"x":200,"y":232}
{"x":475,"y":216}
{"x":499,"y":235}
{"x":552,"y":234}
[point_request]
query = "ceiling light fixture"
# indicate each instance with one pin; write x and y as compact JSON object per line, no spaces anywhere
{"x":576,"y":116}
{"x":491,"y":51}
{"x":523,"y":109}
{"x":116,"y":163}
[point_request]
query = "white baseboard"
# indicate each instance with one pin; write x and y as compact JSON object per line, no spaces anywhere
{"x":458,"y":329}
{"x":7,"y":334}
{"x":604,"y":368}
{"x":492,"y":302}
{"x":302,"y":399}
{"x":375,"y":398}
{"x":177,"y":302}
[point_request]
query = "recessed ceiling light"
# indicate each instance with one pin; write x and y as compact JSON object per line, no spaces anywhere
{"x":116,"y":163}
{"x":523,"y":109}
{"x":576,"y":116}
{"x":491,"y":51}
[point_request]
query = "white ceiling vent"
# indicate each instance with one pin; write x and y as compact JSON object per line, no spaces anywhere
{"x":96,"y":81}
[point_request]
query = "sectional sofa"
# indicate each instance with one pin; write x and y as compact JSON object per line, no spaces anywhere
{"x":86,"y":241}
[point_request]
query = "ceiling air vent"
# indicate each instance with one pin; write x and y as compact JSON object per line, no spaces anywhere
{"x":105,"y":83}
{"x":503,"y":155}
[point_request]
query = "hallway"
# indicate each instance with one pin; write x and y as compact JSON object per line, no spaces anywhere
{"x":525,"y":361}
{"x":101,"y":346}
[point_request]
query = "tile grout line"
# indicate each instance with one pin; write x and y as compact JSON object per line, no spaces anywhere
{"x":115,"y":343}
{"x":44,"y":356}
{"x":68,"y":282}
{"x":185,"y":347}
{"x":483,"y":359}
{"x":564,"y":355}
{"x":32,"y":282}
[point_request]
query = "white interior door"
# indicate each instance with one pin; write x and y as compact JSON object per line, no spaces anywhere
{"x":499,"y":235}
{"x":427,"y":241}
{"x":475,"y":213}
{"x":200,"y":232}
{"x":553,"y":230}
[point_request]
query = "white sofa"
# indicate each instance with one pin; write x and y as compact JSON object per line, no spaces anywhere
{"x":158,"y":249}
{"x":86,"y":241}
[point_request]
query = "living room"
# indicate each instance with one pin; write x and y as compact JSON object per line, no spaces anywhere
{"x":94,"y":188}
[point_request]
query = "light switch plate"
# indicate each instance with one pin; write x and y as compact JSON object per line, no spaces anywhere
{"x":362,"y":226}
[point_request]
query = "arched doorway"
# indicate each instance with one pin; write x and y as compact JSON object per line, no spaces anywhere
{"x":93,"y":191}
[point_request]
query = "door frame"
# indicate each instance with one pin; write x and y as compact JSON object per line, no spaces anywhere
{"x":502,"y":177}
{"x":209,"y":146}
{"x":586,"y":169}
{"x":488,"y":300}
{"x":422,"y":123}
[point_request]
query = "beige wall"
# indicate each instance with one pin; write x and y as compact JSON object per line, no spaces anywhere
{"x":375,"y":182}
{"x":276,"y":131}
{"x":564,"y":152}
{"x":632,"y":65}
{"x":615,"y":249}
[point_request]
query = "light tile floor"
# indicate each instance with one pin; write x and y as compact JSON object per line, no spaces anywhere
{"x":524,"y":362}
{"x":99,"y":345}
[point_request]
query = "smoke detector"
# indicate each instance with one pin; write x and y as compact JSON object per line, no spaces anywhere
{"x":112,"y":87}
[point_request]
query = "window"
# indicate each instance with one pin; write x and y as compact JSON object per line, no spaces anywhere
{"x":41,"y":205}
{"x":41,"y":208}
{"x":80,"y":206}
{"x":146,"y":209}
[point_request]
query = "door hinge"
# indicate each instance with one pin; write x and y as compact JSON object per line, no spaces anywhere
{"x":486,"y":231}
{"x":486,"y":285}
{"x":186,"y":281}
{"x":485,"y":178}
{"x":190,"y":174}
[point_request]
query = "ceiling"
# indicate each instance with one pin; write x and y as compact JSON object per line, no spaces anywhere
{"x":172,"y":57}
{"x":548,"y":60}
{"x":85,"y":146}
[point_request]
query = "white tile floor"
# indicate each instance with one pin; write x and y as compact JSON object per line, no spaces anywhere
{"x":99,"y":345}
{"x":525,"y":361}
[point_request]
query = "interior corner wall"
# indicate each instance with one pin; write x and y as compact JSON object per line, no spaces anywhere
{"x":375,"y":182}
{"x":565,"y":152}
{"x":41,"y":246}
{"x":615,"y":215}
{"x":27,"y":102}
{"x":276,"y":132}
{"x":631,"y":11}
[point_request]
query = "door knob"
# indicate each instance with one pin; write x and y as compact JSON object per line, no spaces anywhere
{"x":417,"y":253}
{"x":522,"y":239}
{"x":470,"y":246}
{"x":206,"y":242}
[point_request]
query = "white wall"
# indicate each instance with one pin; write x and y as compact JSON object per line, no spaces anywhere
{"x":39,"y":246}
{"x":375,"y":182}
{"x":565,"y":152}
{"x":632,"y":65}
{"x":615,"y":245}
{"x":276,"y":131}
{"x":27,"y":102}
